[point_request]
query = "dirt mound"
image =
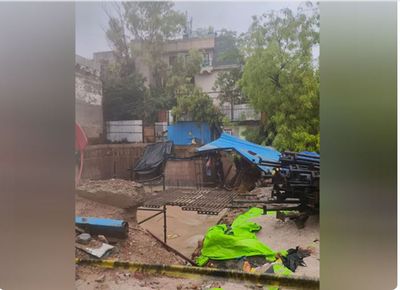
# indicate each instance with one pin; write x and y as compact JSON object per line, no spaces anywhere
{"x":115,"y":192}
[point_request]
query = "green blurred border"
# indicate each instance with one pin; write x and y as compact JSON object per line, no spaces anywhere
{"x":358,"y":145}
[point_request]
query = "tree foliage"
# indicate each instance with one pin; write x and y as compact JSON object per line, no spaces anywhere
{"x":281,"y":79}
{"x":227,"y":86}
{"x":151,"y":24}
{"x":124,"y":95}
{"x":227,"y":48}
{"x":195,"y":105}
{"x":180,"y":75}
{"x":227,"y":82}
{"x":139,"y":30}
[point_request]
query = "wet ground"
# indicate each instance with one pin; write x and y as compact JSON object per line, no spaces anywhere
{"x":184,"y":228}
{"x":93,"y":278}
{"x":279,"y":235}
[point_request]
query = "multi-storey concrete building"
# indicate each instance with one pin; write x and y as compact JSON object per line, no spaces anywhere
{"x":211,"y":65}
{"x":212,"y":48}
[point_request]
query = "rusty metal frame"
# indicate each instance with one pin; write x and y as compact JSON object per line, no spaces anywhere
{"x":204,"y":201}
{"x":159,"y":211}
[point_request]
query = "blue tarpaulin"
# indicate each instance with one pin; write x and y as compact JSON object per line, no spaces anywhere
{"x":251,"y":151}
{"x":182,"y":133}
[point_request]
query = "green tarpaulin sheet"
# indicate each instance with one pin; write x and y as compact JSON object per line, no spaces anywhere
{"x":224,"y":243}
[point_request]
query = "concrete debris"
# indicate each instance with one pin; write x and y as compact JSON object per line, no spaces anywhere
{"x":83,"y":238}
{"x":261,"y":269}
{"x":102,"y":239}
{"x":97,"y":252}
{"x":101,"y":278}
{"x":115,"y":192}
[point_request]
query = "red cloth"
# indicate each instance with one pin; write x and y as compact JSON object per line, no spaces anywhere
{"x":80,"y":138}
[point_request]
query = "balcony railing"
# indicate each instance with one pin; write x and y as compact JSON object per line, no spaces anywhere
{"x":242,"y":112}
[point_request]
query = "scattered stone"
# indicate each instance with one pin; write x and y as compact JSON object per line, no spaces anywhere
{"x":215,"y":285}
{"x":101,"y":278}
{"x":102,"y":239}
{"x":262,"y":269}
{"x":138,"y":275}
{"x":179,"y":287}
{"x":83,"y":238}
{"x":173,"y":236}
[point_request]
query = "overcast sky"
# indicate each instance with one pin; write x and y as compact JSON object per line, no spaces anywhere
{"x":91,"y":21}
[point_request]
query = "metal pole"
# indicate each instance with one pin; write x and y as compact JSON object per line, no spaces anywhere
{"x":172,"y":249}
{"x":149,"y":218}
{"x":163,"y":177}
{"x":165,"y":223}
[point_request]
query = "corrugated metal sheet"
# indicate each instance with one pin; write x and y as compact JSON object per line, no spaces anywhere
{"x":252,"y":152}
{"x":182,"y":133}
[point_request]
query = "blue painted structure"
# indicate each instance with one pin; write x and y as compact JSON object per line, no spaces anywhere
{"x":103,"y":226}
{"x":251,"y":151}
{"x":182,"y":133}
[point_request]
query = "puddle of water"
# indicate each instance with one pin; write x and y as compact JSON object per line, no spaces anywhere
{"x":184,"y":228}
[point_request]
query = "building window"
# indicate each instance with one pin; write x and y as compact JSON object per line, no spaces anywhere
{"x":206,"y":59}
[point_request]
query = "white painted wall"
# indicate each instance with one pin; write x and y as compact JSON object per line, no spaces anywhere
{"x":130,"y":130}
{"x":206,"y":81}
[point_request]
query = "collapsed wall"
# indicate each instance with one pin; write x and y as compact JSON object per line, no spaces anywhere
{"x":124,"y":194}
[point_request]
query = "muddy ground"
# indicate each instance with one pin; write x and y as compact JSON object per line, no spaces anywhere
{"x":184,"y":228}
{"x":93,"y":278}
{"x":138,"y":247}
{"x":279,"y":235}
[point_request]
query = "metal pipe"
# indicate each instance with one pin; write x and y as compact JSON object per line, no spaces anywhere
{"x":150,"y":217}
{"x":150,"y":209}
{"x":269,"y":209}
{"x":165,"y":223}
{"x":163,"y":180}
{"x":266,"y":201}
{"x":173,"y":250}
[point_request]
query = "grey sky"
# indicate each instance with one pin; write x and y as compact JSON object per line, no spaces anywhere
{"x":91,"y":21}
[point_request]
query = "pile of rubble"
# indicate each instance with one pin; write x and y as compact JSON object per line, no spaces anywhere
{"x":135,"y":247}
{"x":116,"y":192}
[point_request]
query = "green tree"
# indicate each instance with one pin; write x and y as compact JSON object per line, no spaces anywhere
{"x":124,"y":92}
{"x":150,"y":25}
{"x":139,"y":30}
{"x":123,"y":95}
{"x":281,"y":79}
{"x":227,"y":86}
{"x":180,"y":75}
{"x":195,"y":105}
{"x":227,"y":82}
{"x":227,"y":48}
